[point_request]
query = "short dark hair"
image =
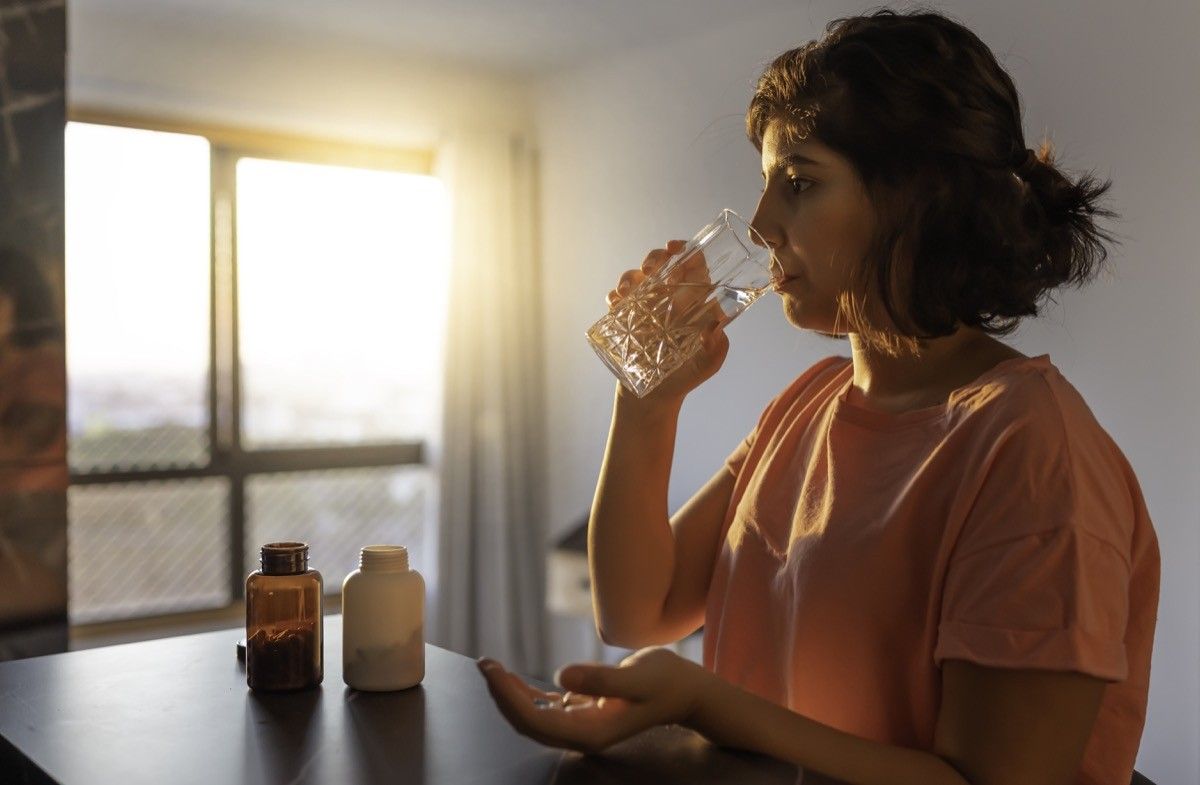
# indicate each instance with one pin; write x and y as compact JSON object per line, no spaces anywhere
{"x":973,"y":229}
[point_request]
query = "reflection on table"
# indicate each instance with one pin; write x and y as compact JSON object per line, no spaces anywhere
{"x":177,"y":710}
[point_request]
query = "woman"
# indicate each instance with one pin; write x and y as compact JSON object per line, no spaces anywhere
{"x":928,"y":563}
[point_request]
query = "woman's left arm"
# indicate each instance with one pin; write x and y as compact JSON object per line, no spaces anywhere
{"x":995,"y":726}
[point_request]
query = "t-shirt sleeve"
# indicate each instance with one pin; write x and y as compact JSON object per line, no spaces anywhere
{"x":737,"y":458}
{"x":1037,"y":578}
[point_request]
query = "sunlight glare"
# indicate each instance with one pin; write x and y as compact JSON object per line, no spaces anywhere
{"x":342,"y":277}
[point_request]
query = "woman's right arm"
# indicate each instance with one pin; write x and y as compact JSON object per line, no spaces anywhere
{"x":650,"y":574}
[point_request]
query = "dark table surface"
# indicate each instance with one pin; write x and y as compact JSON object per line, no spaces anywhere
{"x":178,"y":710}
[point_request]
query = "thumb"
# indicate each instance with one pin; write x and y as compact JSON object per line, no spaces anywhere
{"x":715,"y":339}
{"x":596,"y":680}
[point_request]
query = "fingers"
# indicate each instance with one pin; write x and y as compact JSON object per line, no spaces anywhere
{"x":711,"y":321}
{"x":659,"y":256}
{"x":512,"y":699}
{"x":530,"y":692}
{"x":628,"y":280}
{"x":694,"y":269}
{"x":600,"y":680}
{"x":576,"y":721}
{"x":712,"y":316}
{"x":626,"y":284}
{"x":716,"y":345}
{"x":653,"y":262}
{"x":573,"y":701}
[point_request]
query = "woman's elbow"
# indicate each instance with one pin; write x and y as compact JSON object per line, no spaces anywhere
{"x":623,"y":638}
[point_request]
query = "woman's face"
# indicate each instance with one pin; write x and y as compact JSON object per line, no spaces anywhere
{"x":815,"y":216}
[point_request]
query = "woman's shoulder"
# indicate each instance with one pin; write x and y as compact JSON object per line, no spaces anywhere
{"x":1031,"y":396}
{"x":1039,"y":439}
{"x":817,"y":382}
{"x":819,"y":377}
{"x":1017,"y":387}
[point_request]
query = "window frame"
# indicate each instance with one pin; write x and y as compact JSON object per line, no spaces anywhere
{"x":228,"y":458}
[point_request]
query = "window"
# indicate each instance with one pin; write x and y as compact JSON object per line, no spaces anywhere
{"x":254,"y":354}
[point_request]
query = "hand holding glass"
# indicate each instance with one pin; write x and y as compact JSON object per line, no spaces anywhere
{"x":659,"y":325}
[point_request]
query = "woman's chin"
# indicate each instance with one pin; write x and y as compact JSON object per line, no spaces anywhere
{"x":802,"y":318}
{"x":793,"y":311}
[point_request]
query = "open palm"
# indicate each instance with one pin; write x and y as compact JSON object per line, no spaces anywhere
{"x":606,"y":705}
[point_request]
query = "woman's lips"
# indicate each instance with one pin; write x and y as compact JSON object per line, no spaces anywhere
{"x":779,"y":283}
{"x":778,"y":276}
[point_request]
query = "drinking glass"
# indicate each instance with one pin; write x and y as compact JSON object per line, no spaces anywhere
{"x":656,"y":327}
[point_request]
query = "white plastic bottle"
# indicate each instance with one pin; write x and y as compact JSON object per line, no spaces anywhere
{"x":383,"y":615}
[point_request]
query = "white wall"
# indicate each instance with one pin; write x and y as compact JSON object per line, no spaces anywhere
{"x":649,"y":145}
{"x":201,"y":67}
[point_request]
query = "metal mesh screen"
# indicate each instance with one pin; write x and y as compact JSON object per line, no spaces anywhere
{"x":138,"y":549}
{"x":337,"y":512}
{"x":158,"y":447}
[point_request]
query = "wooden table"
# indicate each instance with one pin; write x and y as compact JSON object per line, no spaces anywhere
{"x":178,"y":710}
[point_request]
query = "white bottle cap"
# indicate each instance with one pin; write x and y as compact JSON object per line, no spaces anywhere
{"x":384,"y":558}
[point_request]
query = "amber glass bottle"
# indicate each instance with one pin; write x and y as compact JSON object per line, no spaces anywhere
{"x":284,"y":648}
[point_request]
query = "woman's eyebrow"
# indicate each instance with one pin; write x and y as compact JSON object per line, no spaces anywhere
{"x":794,"y":158}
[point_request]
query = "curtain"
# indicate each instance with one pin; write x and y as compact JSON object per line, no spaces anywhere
{"x":488,"y":597}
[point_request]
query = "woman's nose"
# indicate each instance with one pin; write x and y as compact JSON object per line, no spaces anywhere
{"x":764,"y":233}
{"x":757,"y":237}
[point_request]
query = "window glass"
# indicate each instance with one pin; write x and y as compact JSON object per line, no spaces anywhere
{"x":341,"y":277}
{"x":139,"y":549}
{"x":341,"y":289}
{"x":337,"y":512}
{"x":137,"y":297}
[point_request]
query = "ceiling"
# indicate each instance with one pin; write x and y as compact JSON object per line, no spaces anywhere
{"x":518,"y":37}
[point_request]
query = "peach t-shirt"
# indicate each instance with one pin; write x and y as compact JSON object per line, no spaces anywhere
{"x":862,"y":548}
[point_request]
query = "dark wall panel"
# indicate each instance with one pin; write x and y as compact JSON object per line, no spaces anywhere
{"x":33,"y":467}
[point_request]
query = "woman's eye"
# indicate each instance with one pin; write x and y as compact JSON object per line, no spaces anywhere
{"x":799,"y":184}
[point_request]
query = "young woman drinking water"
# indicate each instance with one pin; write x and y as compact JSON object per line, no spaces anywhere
{"x":928,"y":563}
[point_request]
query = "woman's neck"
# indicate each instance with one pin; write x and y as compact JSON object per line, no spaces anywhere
{"x":898,"y":384}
